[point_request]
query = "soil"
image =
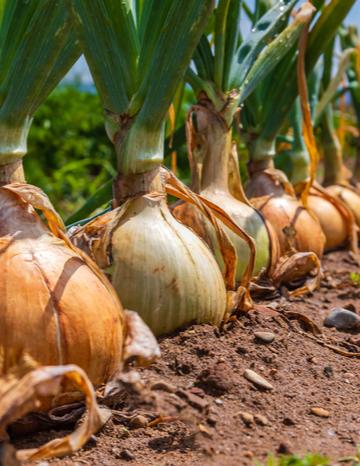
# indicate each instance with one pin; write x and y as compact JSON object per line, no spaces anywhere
{"x":212,"y":415}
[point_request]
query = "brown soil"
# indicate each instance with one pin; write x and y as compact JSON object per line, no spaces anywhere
{"x":202,"y":394}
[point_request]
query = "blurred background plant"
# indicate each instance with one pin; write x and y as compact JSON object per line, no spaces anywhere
{"x":69,"y":153}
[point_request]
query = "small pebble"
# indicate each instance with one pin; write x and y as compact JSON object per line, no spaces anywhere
{"x":266,"y":337}
{"x":127,"y":455}
{"x":219,"y":402}
{"x":328,"y":371}
{"x":342,"y":319}
{"x":284,"y":449}
{"x":261,"y":420}
{"x":287,"y":421}
{"x":257,"y":380}
{"x":321,"y":412}
{"x":248,"y":418}
{"x":138,"y":422}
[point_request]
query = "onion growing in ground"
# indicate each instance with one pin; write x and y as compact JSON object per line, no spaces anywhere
{"x":55,"y":304}
{"x":64,"y":296}
{"x":262,"y":118}
{"x":213,"y":185}
{"x":158,"y":266}
{"x":231,"y":74}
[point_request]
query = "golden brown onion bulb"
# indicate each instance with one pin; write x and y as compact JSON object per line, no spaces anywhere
{"x":295,"y":226}
{"x":54,"y":306}
{"x":349,"y":196}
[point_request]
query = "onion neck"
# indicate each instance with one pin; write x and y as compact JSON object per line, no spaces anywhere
{"x":12,"y":173}
{"x":13,"y":147}
{"x":213,"y":146}
{"x":262,"y":153}
{"x":136,"y":185}
{"x":139,"y":148}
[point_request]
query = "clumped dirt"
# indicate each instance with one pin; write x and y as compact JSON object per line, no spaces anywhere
{"x":196,"y":406}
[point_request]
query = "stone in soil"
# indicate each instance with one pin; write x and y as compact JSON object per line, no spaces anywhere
{"x":257,"y":380}
{"x":342,"y":319}
{"x":320,"y":412}
{"x":265,"y":337}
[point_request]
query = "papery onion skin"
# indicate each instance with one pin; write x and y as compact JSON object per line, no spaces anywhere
{"x":52,"y":305}
{"x":159,"y":267}
{"x":165,"y":272}
{"x":331,"y":221}
{"x":349,"y":197}
{"x":294,"y":225}
{"x":244,"y":216}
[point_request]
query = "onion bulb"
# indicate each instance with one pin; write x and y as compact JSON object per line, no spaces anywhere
{"x":349,"y":196}
{"x":296,"y":227}
{"x":159,"y":267}
{"x":210,"y":146}
{"x":336,"y":219}
{"x":55,"y":304}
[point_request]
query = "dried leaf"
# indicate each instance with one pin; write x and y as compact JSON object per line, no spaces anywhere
{"x":297,"y":266}
{"x":140,"y":344}
{"x":34,"y":390}
{"x":214,"y":212}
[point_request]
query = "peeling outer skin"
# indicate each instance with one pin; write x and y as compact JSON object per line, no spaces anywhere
{"x":38,"y":200}
{"x":266,"y":181}
{"x":18,"y":397}
{"x":175,"y":187}
{"x":352,"y":230}
{"x":298,"y":266}
{"x":140,"y":343}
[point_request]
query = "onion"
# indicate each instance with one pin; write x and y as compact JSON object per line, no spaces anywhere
{"x":157,"y":265}
{"x":295,"y":226}
{"x":55,"y":305}
{"x":213,"y":155}
{"x":349,"y":196}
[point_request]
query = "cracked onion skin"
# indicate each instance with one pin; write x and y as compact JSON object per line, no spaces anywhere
{"x":349,"y":197}
{"x":53,"y":306}
{"x":295,"y":227}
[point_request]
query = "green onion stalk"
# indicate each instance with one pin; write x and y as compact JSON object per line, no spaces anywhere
{"x":48,"y":287}
{"x":263,"y":117}
{"x":222,"y":79}
{"x":138,"y":53}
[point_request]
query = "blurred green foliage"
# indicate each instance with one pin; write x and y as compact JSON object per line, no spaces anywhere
{"x":69,"y":154}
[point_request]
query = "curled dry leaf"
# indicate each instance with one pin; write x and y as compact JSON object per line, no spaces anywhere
{"x":32,"y":391}
{"x":140,"y":343}
{"x":298,"y":266}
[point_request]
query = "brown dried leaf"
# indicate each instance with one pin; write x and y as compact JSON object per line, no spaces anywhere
{"x":297,"y":266}
{"x":33,"y":390}
{"x":140,"y":344}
